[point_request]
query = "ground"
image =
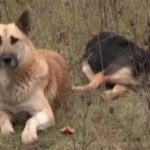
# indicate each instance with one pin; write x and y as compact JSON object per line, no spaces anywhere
{"x":66,"y":26}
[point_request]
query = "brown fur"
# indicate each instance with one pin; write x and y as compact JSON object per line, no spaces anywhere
{"x":46,"y":69}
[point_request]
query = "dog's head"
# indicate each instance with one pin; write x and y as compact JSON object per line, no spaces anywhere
{"x":15,"y":47}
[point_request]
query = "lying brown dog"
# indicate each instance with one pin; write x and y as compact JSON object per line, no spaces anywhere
{"x":31,"y":80}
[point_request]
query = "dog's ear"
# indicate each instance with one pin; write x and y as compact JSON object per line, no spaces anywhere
{"x":24,"y":22}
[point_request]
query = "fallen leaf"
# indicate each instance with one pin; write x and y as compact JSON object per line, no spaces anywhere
{"x":67,"y":130}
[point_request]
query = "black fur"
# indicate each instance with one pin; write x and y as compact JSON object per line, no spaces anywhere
{"x":24,"y":22}
{"x":110,"y":52}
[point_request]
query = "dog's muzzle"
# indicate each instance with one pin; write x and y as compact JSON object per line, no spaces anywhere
{"x":8,"y":60}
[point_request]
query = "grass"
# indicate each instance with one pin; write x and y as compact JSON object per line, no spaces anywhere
{"x":102,"y":128}
{"x":66,"y":26}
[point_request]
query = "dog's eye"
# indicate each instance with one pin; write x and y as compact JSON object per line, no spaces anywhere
{"x":13,"y":40}
{"x":0,"y":40}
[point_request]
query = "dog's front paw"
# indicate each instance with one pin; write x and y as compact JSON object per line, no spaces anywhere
{"x":29,"y":136}
{"x":107,"y":95}
{"x":7,"y":128}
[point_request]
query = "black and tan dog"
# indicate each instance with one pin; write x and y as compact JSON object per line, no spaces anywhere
{"x":113,"y":59}
{"x":31,"y":80}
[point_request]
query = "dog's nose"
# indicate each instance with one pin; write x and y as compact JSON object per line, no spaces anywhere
{"x":8,"y":60}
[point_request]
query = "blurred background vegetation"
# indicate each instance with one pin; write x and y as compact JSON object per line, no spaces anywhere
{"x":66,"y":26}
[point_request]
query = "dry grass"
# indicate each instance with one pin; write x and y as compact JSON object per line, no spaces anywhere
{"x":66,"y":26}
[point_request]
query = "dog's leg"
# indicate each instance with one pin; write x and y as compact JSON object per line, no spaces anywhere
{"x":5,"y":123}
{"x":114,"y":93}
{"x":97,"y":80}
{"x":42,"y":118}
{"x":86,"y":69}
{"x":123,"y":80}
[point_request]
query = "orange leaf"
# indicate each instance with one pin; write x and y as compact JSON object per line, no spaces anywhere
{"x":67,"y":130}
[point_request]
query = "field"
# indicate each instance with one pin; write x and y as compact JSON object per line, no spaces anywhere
{"x":66,"y":26}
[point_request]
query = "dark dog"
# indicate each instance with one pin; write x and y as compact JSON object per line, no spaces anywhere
{"x":113,"y":59}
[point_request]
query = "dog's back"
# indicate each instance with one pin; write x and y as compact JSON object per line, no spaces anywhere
{"x":107,"y":47}
{"x":59,"y":79}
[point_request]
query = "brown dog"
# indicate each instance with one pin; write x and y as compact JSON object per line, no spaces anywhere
{"x":31,"y":80}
